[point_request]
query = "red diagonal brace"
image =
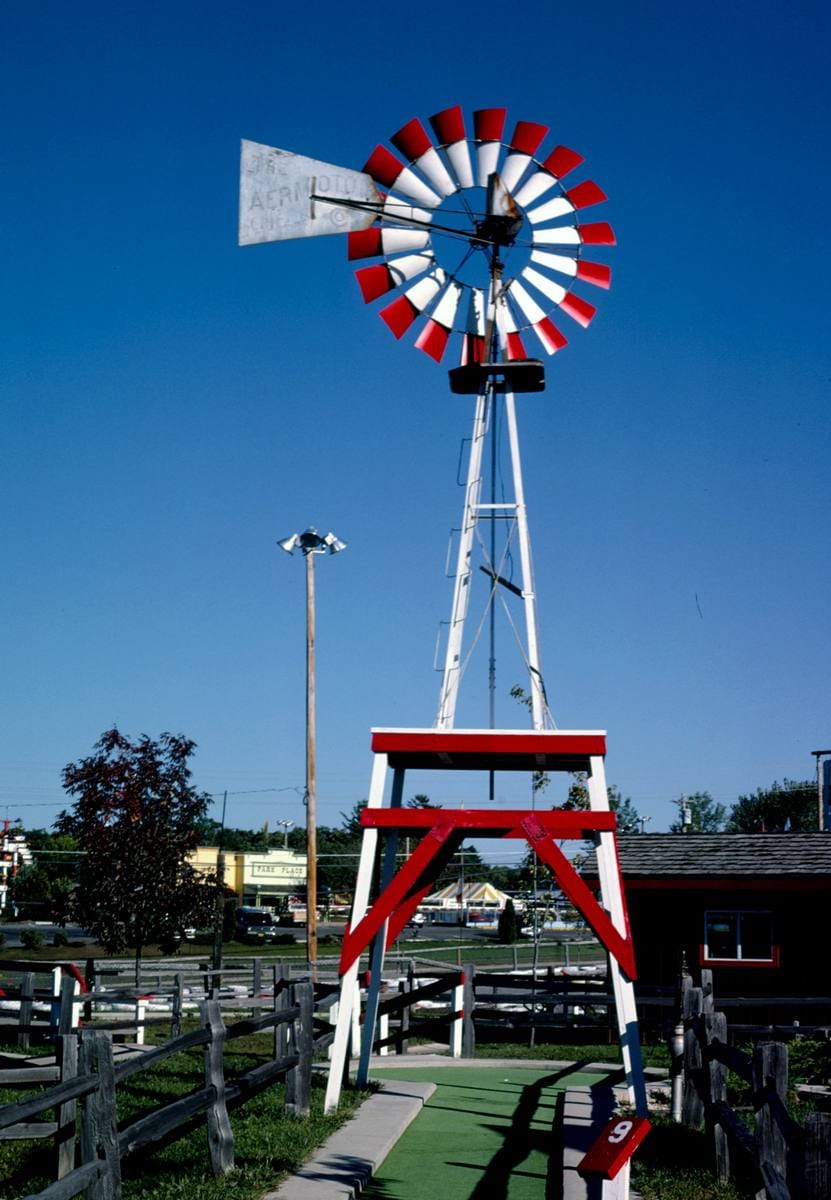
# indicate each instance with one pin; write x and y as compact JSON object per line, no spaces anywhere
{"x":580,"y":895}
{"x":408,"y":878}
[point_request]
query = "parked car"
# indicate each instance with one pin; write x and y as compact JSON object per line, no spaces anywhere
{"x":255,"y":925}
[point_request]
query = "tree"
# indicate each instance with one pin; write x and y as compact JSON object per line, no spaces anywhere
{"x":706,"y":815}
{"x":41,"y":888}
{"x":789,"y":806}
{"x":507,"y":929}
{"x":135,"y":816}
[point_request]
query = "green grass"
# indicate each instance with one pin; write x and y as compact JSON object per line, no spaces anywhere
{"x":653,"y":1056}
{"x":671,"y":1165}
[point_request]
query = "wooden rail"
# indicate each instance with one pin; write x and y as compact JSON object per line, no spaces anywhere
{"x":791,"y":1161}
{"x":89,"y":1073}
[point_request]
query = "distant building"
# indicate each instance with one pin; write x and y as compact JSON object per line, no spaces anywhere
{"x":263,"y":878}
{"x":465,"y":904}
{"x":750,"y":907}
{"x":14,"y":854}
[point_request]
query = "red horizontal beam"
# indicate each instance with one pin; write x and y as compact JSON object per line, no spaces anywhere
{"x":481,"y":749}
{"x":499,"y":823}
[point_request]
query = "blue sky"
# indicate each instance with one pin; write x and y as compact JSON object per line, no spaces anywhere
{"x":173,"y":404}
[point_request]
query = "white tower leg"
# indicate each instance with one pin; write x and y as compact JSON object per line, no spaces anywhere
{"x":611,"y":894}
{"x":360,"y":904}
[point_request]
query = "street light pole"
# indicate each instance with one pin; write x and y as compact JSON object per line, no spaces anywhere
{"x":311,"y":543}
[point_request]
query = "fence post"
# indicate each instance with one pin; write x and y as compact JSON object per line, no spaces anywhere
{"x":468,"y":1005}
{"x":99,"y":1129}
{"x":66,"y":1057}
{"x":256,"y":978}
{"x":220,"y":1134}
{"x":692,"y":1109}
{"x":301,"y":1075}
{"x":27,"y":992}
{"x":402,"y":1045}
{"x":457,"y":1016}
{"x":68,"y":1016}
{"x":715,"y":1029}
{"x":816,"y":1159}
{"x":770,"y":1073}
{"x":176,"y":1004}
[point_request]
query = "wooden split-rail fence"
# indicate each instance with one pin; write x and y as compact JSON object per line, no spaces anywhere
{"x":90,"y":1147}
{"x":786,"y":1160}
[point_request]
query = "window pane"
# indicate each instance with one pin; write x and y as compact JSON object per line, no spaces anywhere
{"x":756,"y":941}
{"x":722,"y":931}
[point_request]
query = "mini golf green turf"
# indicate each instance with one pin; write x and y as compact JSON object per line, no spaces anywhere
{"x":485,"y":1134}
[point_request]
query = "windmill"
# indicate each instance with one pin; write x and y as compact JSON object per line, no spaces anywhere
{"x":475,"y":242}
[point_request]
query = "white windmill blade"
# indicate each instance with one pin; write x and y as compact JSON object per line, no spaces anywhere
{"x":413,"y":141}
{"x":488,"y":124}
{"x":284,"y":195}
{"x":523,"y":145}
{"x":449,"y":128}
{"x":436,"y":332}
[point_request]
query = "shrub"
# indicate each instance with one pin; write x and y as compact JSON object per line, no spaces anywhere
{"x":60,"y":938}
{"x":31,"y":939}
{"x":2,"y":939}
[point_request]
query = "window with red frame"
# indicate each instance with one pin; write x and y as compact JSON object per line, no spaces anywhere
{"x":740,"y":936}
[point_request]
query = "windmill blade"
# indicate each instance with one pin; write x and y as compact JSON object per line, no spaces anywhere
{"x":598,"y":234}
{"x":554,"y":291}
{"x":372,"y":243}
{"x":400,"y":315}
{"x":558,"y":207}
{"x":597,"y":274}
{"x":449,"y":128}
{"x":375,"y":281}
{"x":555,"y":262}
{"x":549,"y":335}
{"x":524,"y":143}
{"x":388,"y":170}
{"x":412,"y":141}
{"x":473,"y":338}
{"x":560,"y":161}
{"x":510,"y":339}
{"x":399,"y":213}
{"x":435,"y":334}
{"x":284,"y":195}
{"x":488,"y":124}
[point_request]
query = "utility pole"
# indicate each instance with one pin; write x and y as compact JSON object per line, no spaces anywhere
{"x":311,"y":543}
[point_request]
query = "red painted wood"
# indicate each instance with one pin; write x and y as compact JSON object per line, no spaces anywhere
{"x":364,"y":243}
{"x":554,"y":823}
{"x":615,"y":1146}
{"x":449,"y":125}
{"x":597,"y":233}
{"x":412,"y":139}
{"x":583,"y":899}
{"x":408,"y":877}
{"x":577,"y":308}
{"x":488,"y":124}
{"x":527,"y":136}
{"x":538,"y":749}
{"x":584,"y":194}
{"x":383,"y":166}
{"x":561,"y":160}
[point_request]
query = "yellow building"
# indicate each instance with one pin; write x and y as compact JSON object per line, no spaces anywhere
{"x":264,"y":878}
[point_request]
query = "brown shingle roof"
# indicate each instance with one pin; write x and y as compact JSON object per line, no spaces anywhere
{"x":703,"y":855}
